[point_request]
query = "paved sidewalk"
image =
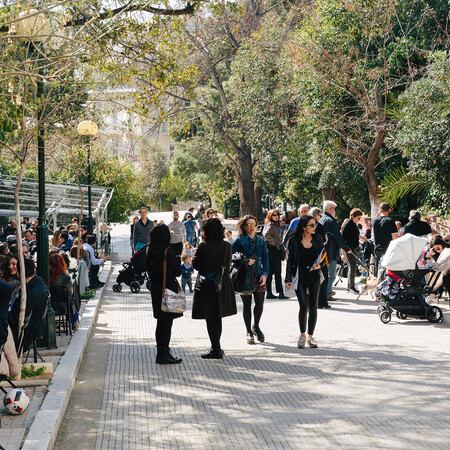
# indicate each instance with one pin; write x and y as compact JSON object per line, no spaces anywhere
{"x":369,"y":385}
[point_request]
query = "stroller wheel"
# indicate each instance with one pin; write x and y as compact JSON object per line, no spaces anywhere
{"x":117,"y":287}
{"x":434,"y":314}
{"x":385,"y":316}
{"x":401,"y":315}
{"x":149,"y":285}
{"x":135,"y":287}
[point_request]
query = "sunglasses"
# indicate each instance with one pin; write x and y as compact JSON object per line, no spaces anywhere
{"x":274,"y":215}
{"x":313,"y":225}
{"x":250,"y":225}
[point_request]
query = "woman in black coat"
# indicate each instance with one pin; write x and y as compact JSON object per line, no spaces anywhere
{"x":211,"y":255}
{"x":159,"y":243}
{"x":350,"y":233}
{"x":304,"y":248}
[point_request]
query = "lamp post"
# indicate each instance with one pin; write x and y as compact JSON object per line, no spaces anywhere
{"x":33,"y":28}
{"x":88,"y":128}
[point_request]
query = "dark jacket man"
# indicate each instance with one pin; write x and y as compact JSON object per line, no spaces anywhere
{"x":335,"y":241}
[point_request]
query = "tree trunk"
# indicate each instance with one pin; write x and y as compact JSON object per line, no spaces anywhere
{"x":245,"y":181}
{"x":258,"y":204}
{"x":23,"y":284}
{"x":329,"y":193}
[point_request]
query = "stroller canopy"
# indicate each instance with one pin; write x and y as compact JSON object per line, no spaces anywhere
{"x":403,"y":253}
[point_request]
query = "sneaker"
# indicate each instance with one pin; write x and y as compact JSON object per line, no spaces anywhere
{"x":353,"y":290}
{"x":301,"y":341}
{"x":311,"y":342}
{"x":331,"y":299}
{"x":327,"y":306}
{"x":250,"y":338}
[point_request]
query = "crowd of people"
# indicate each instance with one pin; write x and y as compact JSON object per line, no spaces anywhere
{"x":314,"y":244}
{"x":68,"y":244}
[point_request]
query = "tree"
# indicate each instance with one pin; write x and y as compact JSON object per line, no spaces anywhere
{"x":423,"y":135}
{"x":351,"y":60}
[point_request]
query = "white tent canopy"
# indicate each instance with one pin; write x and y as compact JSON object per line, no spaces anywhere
{"x":403,"y":253}
{"x":60,"y":198}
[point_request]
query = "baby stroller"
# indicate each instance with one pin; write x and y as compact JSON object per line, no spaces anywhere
{"x":406,"y":288}
{"x":134,"y":273}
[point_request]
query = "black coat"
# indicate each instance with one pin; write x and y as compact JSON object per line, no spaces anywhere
{"x":209,"y":257}
{"x":330,"y":225}
{"x":156,"y":275}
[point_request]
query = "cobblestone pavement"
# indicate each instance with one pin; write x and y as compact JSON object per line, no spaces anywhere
{"x":369,"y":385}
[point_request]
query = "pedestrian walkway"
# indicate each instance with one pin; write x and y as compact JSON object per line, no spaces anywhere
{"x":369,"y":385}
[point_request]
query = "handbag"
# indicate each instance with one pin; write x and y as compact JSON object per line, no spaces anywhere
{"x":211,"y":282}
{"x":172,"y":302}
{"x":290,"y":292}
{"x":282,"y":252}
{"x":242,"y":279}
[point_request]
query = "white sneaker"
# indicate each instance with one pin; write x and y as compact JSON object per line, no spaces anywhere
{"x":311,"y":342}
{"x":301,"y":341}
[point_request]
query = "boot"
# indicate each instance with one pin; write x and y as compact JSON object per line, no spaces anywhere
{"x":164,"y":356}
{"x":269,"y":295}
{"x":214,"y":353}
{"x":282,"y":296}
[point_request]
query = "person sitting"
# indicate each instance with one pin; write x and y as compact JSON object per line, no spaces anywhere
{"x":37,"y":298}
{"x":10,"y":272}
{"x":64,"y":243}
{"x":95,"y":283}
{"x":30,"y":240}
{"x":59,"y":277}
{"x":416,"y":226}
{"x":4,"y":251}
{"x":9,"y":363}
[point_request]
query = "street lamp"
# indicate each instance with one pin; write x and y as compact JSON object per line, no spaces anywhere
{"x":33,"y":27}
{"x":88,"y":128}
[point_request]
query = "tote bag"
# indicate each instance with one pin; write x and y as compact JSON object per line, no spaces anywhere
{"x":172,"y":302}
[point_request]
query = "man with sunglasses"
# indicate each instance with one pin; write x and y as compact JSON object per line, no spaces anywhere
{"x":335,"y":242}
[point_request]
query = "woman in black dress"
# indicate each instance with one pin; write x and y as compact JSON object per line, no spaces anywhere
{"x":159,"y":243}
{"x":210,"y":257}
{"x":304,"y":249}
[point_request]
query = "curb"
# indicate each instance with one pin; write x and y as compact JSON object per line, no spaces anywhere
{"x":44,"y":429}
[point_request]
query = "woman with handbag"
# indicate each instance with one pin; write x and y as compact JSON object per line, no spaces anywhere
{"x":272,"y":236}
{"x":351,"y":236}
{"x":304,"y":248}
{"x":214,"y":295}
{"x":249,"y":251}
{"x":159,"y":254}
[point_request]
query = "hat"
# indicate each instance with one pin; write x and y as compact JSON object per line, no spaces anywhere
{"x":11,"y":238}
{"x":413,"y":214}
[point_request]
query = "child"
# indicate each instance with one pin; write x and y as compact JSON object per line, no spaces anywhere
{"x":229,"y":237}
{"x":186,"y":273}
{"x":188,"y":249}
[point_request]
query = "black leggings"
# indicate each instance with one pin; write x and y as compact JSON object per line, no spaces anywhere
{"x":214,"y":327}
{"x":163,"y":333}
{"x":257,"y":310}
{"x":308,"y":297}
{"x":274,"y":269}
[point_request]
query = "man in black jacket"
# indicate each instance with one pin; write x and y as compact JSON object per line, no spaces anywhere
{"x":335,"y":241}
{"x":37,"y":297}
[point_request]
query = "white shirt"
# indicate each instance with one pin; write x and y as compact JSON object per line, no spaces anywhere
{"x":90,"y":250}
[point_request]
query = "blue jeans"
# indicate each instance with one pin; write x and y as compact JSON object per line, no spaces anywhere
{"x":188,"y":282}
{"x":190,"y":238}
{"x":331,"y":277}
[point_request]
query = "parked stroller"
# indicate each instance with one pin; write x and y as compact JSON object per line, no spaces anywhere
{"x":407,"y":288}
{"x":134,"y":273}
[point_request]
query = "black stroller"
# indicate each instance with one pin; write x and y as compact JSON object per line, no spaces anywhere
{"x":134,"y":273}
{"x":408,"y":291}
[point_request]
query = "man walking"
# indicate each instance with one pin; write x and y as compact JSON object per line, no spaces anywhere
{"x":384,"y":231}
{"x":141,"y":230}
{"x":303,"y":210}
{"x":335,"y":241}
{"x":177,"y":234}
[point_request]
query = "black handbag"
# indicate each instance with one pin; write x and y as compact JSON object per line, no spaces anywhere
{"x":242,"y":279}
{"x":211,"y":282}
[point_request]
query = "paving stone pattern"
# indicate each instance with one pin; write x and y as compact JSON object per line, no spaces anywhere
{"x":369,"y":385}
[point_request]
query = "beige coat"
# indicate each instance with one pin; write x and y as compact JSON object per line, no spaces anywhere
{"x":9,"y":364}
